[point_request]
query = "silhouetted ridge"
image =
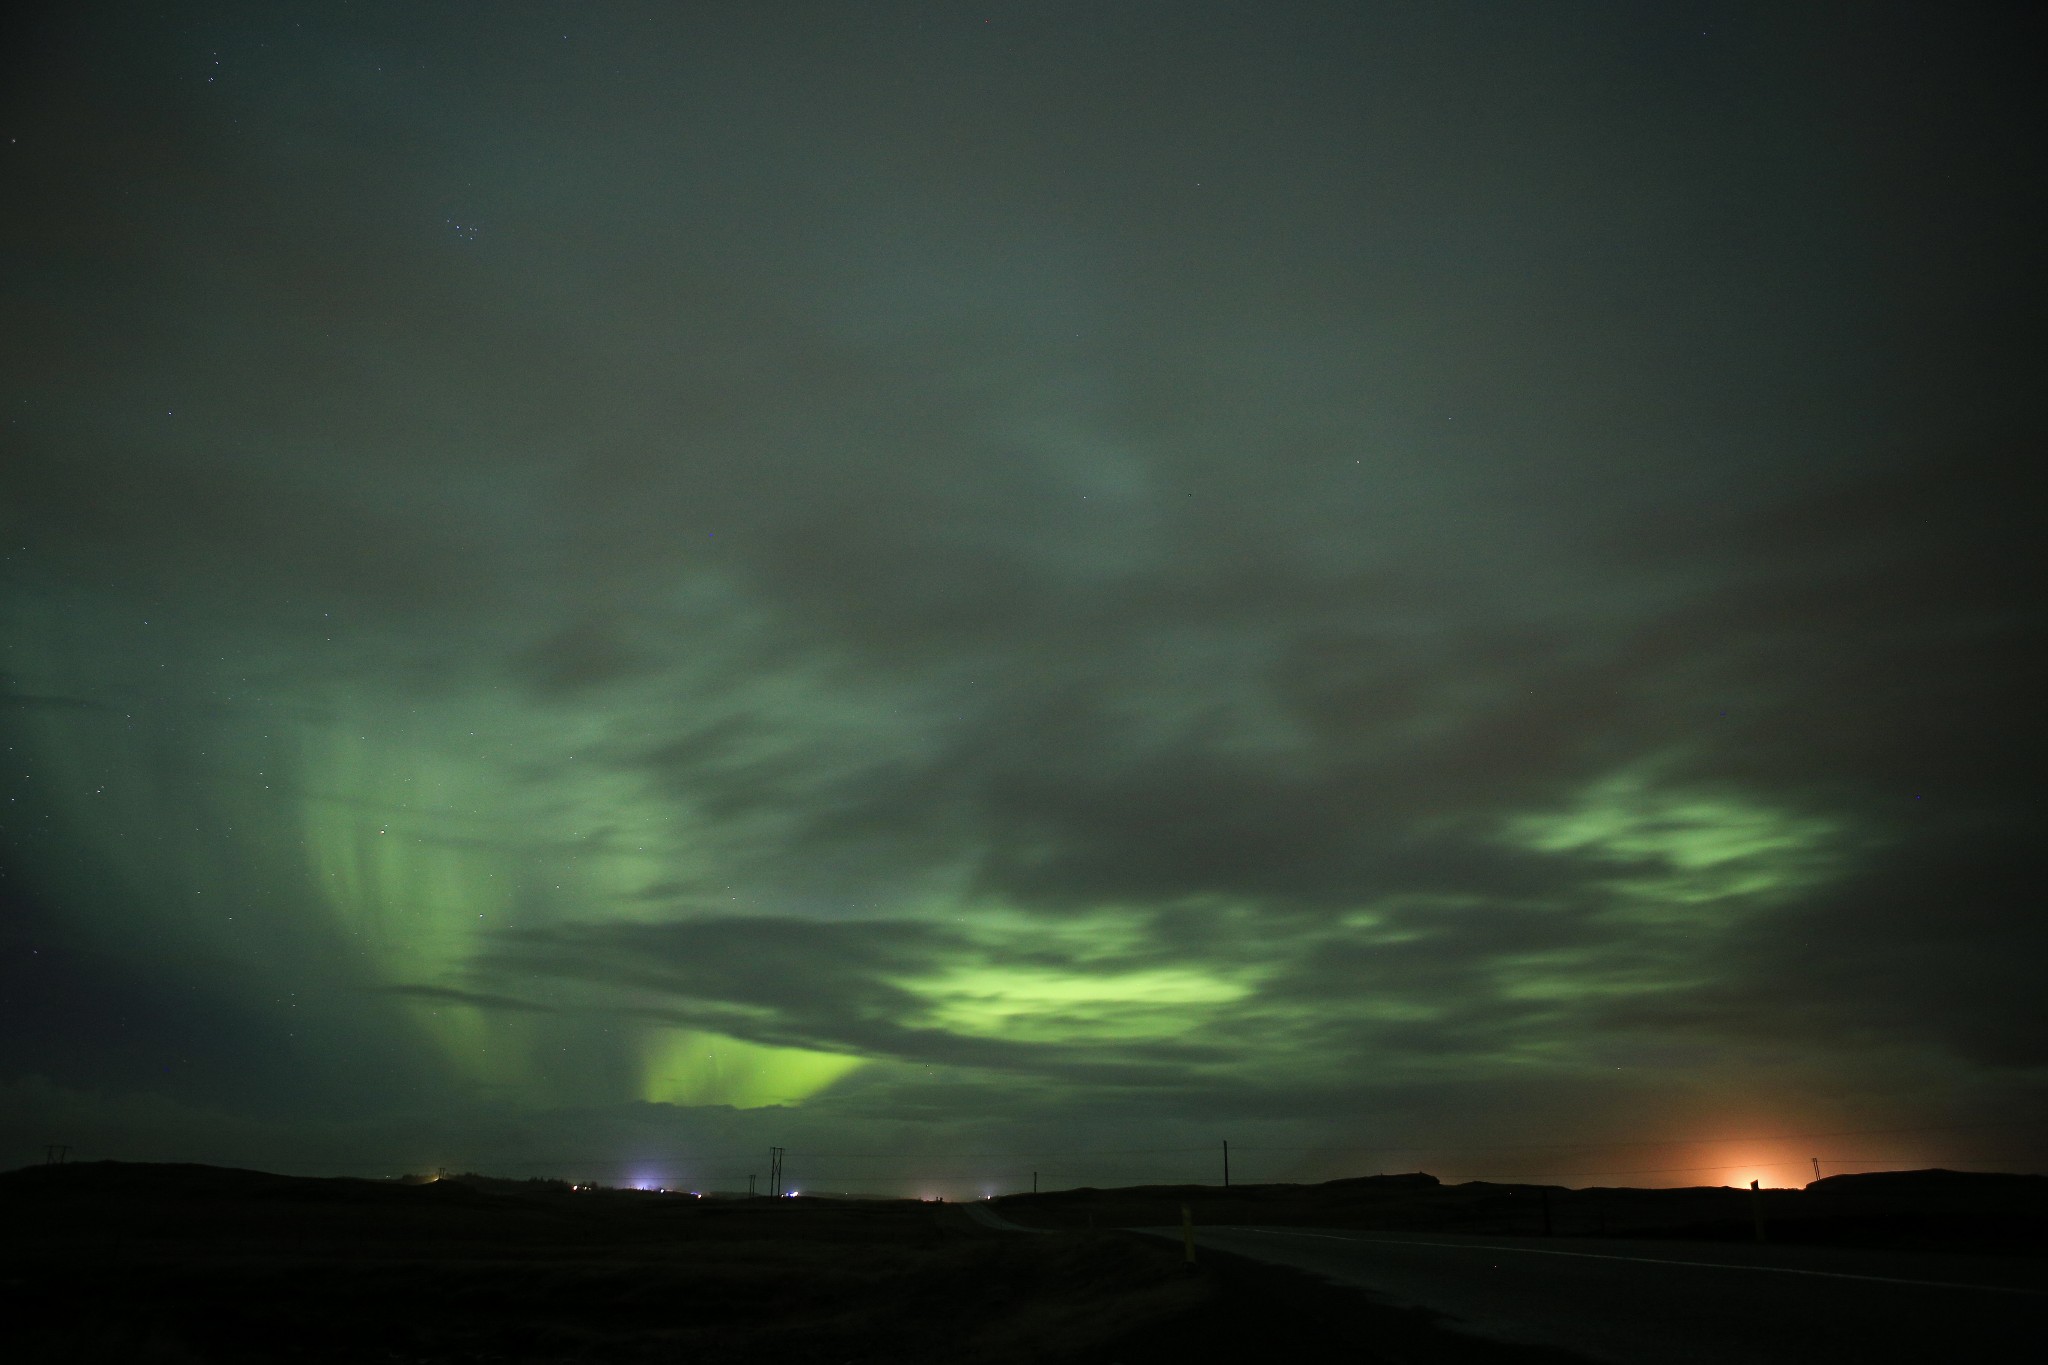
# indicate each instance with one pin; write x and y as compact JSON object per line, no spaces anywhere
{"x":1413,"y":1180}
{"x":217,"y":1184}
{"x":1934,"y":1180}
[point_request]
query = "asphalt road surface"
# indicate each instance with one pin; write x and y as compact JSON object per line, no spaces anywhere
{"x":989,"y":1218}
{"x":1673,"y":1303}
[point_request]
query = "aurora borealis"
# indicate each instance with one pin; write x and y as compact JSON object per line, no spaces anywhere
{"x":590,"y":588}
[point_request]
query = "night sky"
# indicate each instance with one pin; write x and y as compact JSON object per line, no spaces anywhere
{"x":969,"y":588}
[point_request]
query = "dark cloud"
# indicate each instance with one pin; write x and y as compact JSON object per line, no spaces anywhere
{"x":454,"y":996}
{"x":29,"y":700}
{"x":1928,"y":946}
{"x":1325,"y":562}
{"x":800,"y":982}
{"x":584,"y":654}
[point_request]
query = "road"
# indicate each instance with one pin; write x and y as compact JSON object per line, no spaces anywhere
{"x":989,"y":1218}
{"x":1671,"y":1303}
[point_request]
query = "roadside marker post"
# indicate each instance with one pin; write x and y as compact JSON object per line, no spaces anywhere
{"x":1756,"y":1208}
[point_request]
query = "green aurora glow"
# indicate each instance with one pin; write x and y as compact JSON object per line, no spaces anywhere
{"x":684,"y":606}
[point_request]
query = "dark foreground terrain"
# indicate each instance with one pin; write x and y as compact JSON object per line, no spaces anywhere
{"x":1907,"y":1211}
{"x":160,"y":1265}
{"x":1901,"y":1266}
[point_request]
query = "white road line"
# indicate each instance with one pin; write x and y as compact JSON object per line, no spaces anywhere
{"x":1642,"y":1260}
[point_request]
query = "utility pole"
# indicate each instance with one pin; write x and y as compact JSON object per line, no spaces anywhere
{"x":775,"y":1172}
{"x":1816,"y":1168}
{"x":54,"y":1154}
{"x":1226,"y":1163}
{"x":750,"y":1187}
{"x":1034,"y":1182}
{"x":1756,"y":1209}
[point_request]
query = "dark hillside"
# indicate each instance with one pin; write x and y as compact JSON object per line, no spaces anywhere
{"x":1923,"y":1210}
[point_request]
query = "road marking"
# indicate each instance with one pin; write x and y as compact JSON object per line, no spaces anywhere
{"x":1647,"y":1260}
